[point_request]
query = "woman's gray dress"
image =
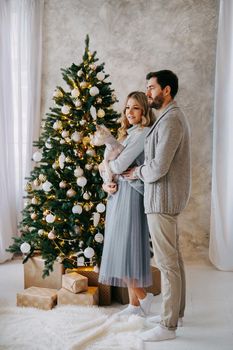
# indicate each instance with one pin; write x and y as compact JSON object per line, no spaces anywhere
{"x":126,"y":252}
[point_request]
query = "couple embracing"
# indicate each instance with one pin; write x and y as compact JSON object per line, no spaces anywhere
{"x":152,"y":188}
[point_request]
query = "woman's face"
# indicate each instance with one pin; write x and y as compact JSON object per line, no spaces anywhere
{"x":133,"y":111}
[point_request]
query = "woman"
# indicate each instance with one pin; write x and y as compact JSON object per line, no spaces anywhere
{"x":126,"y":255}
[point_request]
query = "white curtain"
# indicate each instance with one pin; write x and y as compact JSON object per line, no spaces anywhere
{"x":221,"y":235}
{"x":20,"y":96}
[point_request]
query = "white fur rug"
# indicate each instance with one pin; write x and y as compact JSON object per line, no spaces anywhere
{"x":68,"y":328}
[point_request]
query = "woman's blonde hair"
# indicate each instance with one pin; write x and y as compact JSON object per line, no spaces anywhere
{"x":147,"y":114}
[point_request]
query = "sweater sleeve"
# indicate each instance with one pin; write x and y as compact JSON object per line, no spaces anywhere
{"x":132,"y":150}
{"x":169,"y":137}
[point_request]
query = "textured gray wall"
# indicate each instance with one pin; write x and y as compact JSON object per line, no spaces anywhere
{"x":134,"y":37}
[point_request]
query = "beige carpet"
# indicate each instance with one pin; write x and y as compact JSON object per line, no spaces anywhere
{"x":68,"y":328}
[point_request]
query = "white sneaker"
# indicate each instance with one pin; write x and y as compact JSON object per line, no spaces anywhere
{"x":146,"y":303}
{"x":131,"y":310}
{"x":158,"y":333}
{"x":157,"y":319}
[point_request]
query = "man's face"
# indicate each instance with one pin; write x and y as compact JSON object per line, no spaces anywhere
{"x":154,"y":93}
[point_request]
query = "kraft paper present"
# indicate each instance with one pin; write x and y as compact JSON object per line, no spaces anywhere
{"x":41,"y":298}
{"x":105,"y":292}
{"x":33,"y":271}
{"x":90,"y":297}
{"x":74,"y":282}
{"x":120,"y":294}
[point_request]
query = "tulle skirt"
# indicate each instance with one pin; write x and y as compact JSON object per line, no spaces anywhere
{"x":126,"y":252}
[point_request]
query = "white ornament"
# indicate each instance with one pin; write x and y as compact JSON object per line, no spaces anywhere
{"x":91,"y":152}
{"x":78,"y":103}
{"x":80,"y":261}
{"x":51,"y":235}
{"x":81,"y":181}
{"x":88,"y":166}
{"x":77,"y":209}
{"x":62,"y":184}
{"x":65,"y":133}
{"x":50,"y":218}
{"x":75,"y":93}
{"x":93,"y":66}
{"x":78,"y":171}
{"x":100,"y":208}
{"x":93,"y":112}
{"x":94,"y":91}
{"x":61,"y":160}
{"x":34,"y":201}
{"x":80,"y":73}
{"x":70,"y":193}
{"x":99,"y":237}
{"x":89,"y":252}
{"x":82,"y":122}
{"x":55,"y":165}
{"x":33,"y":216}
{"x":96,"y":219}
{"x":48,"y":144}
{"x":37,"y":156}
{"x":57,"y":125}
{"x":40,"y":232}
{"x":47,"y":186}
{"x":100,"y":113}
{"x":100,"y":76}
{"x":86,"y":196}
{"x":76,"y":136}
{"x":25,"y":248}
{"x":57,"y":93}
{"x":65,"y":109}
{"x":62,"y":141}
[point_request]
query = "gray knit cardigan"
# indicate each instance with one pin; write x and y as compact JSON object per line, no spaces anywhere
{"x":166,"y":171}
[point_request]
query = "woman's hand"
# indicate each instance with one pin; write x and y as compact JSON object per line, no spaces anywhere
{"x":110,"y":187}
{"x":129,"y":174}
{"x":101,"y":167}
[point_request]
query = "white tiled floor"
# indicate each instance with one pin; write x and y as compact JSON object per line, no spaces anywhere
{"x":208,"y":322}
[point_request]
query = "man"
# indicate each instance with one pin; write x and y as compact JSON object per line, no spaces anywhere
{"x":166,"y":176}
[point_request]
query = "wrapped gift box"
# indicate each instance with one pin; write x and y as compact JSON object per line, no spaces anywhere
{"x":90,"y":297}
{"x":41,"y":298}
{"x":75,"y":282}
{"x":121,"y":295}
{"x":104,"y":290}
{"x":33,"y":271}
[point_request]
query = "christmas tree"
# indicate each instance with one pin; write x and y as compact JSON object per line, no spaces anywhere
{"x":64,"y":212}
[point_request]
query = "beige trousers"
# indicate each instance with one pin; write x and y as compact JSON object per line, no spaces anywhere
{"x":165,"y":240}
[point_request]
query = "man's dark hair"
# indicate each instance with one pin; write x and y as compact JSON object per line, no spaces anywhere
{"x":165,"y":78}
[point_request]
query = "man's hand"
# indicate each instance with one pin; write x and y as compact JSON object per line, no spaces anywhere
{"x":110,"y":187}
{"x":129,"y":174}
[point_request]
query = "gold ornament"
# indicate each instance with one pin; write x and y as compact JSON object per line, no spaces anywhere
{"x":86,"y":140}
{"x":36,"y":182}
{"x":100,"y":113}
{"x":28,"y":187}
{"x":42,"y":177}
{"x":86,"y":207}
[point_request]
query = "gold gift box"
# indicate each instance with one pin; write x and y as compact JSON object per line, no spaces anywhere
{"x":41,"y":298}
{"x":120,"y":294}
{"x":74,"y":282}
{"x":33,"y":271}
{"x":104,"y":290}
{"x":90,"y":297}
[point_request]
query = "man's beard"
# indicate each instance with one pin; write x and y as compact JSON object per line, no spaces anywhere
{"x":157,"y":102}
